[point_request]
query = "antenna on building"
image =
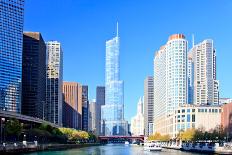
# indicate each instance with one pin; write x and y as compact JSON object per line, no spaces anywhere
{"x":193,"y":40}
{"x":117,"y":29}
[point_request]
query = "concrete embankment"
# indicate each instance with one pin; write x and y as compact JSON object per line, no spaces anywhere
{"x":17,"y":149}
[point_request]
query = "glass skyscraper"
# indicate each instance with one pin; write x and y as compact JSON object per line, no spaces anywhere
{"x":11,"y":39}
{"x":113,"y":111}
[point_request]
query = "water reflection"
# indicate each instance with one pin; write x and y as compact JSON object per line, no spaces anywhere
{"x":112,"y":149}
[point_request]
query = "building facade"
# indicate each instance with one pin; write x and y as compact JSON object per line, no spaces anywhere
{"x":70,"y":105}
{"x":85,"y":108}
{"x":137,"y":122}
{"x":194,"y":116}
{"x":148,"y":105}
{"x":170,"y":81}
{"x":54,"y":81}
{"x":11,"y":44}
{"x":206,"y":91}
{"x":112,"y":112}
{"x":33,"y":75}
{"x":100,"y":101}
{"x":92,"y":116}
{"x":226,"y":119}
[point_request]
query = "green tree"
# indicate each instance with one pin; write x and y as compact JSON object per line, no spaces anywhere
{"x":13,"y":127}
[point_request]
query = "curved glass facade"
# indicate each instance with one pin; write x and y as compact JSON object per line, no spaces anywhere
{"x":11,"y":39}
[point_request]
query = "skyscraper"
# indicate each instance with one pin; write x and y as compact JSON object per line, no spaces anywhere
{"x":85,"y":108}
{"x":204,"y":66}
{"x":70,"y":104}
{"x":11,"y":43}
{"x":113,"y":110}
{"x":148,"y":104}
{"x":170,"y":82}
{"x":54,"y":81}
{"x":100,"y":100}
{"x":80,"y":102}
{"x":137,"y":122}
{"x":33,"y":75}
{"x":92,"y":116}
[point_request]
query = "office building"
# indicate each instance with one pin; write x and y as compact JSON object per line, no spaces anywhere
{"x":205,"y":85}
{"x":33,"y":75}
{"x":54,"y":81}
{"x":79,"y":109}
{"x":100,"y":100}
{"x":148,"y":105}
{"x":170,"y":82}
{"x":137,"y":122}
{"x":196,"y":116}
{"x":11,"y":43}
{"x":92,"y":116}
{"x":113,"y":111}
{"x":70,"y":105}
{"x":85,"y":108}
{"x":226,"y":119}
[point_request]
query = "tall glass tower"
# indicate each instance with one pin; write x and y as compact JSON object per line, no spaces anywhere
{"x":11,"y":43}
{"x":113,"y":110}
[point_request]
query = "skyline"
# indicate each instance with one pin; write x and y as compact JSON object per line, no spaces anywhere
{"x":137,"y":46}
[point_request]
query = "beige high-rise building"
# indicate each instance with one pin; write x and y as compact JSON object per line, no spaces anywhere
{"x":72,"y":106}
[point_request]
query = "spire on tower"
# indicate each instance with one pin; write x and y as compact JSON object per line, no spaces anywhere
{"x":117,"y":29}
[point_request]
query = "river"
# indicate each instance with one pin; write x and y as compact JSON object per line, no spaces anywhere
{"x":111,"y":149}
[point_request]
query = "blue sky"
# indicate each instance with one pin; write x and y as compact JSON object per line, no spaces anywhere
{"x":83,"y":26}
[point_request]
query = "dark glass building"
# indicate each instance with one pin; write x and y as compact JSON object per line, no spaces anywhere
{"x":100,"y":100}
{"x":11,"y":42}
{"x":85,"y":108}
{"x":33,"y":75}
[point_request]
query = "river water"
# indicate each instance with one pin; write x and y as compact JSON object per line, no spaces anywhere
{"x":112,"y":149}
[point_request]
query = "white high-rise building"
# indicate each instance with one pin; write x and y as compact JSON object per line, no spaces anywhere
{"x":54,"y":81}
{"x":137,"y":122}
{"x":204,"y":65}
{"x":170,"y":82}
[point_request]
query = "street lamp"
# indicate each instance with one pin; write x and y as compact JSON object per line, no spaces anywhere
{"x":1,"y":123}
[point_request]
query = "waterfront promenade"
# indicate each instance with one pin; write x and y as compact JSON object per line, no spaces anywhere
{"x":15,"y":148}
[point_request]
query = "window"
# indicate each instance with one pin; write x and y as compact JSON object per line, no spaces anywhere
{"x":188,"y":118}
{"x":193,"y":110}
{"x":193,"y":118}
{"x":188,"y":110}
{"x":183,"y":110}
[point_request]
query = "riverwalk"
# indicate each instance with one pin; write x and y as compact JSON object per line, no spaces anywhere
{"x":16,"y":148}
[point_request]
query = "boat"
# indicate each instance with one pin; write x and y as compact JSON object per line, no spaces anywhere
{"x":152,"y":146}
{"x":127,"y":143}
